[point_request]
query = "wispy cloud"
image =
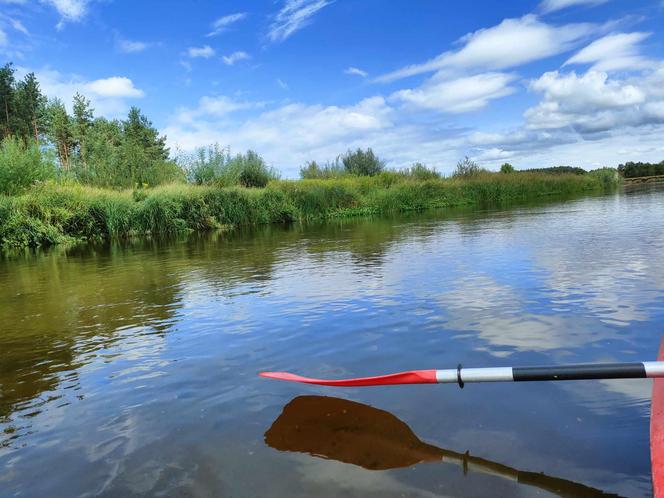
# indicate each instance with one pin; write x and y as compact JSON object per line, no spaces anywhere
{"x":12,"y":48}
{"x":293,"y":16}
{"x":204,"y":52}
{"x":231,"y":59}
{"x":186,"y":65}
{"x":212,"y":107}
{"x":282,"y":84}
{"x":356,"y":71}
{"x":459,"y":95}
{"x":18,"y":26}
{"x":552,"y":5}
{"x":511,"y":43}
{"x":613,"y":52}
{"x":223,"y":23}
{"x":132,"y":46}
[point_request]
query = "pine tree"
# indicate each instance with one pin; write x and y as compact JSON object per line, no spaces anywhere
{"x":138,"y":130}
{"x":59,"y":131}
{"x":82,"y":122}
{"x":30,"y":108}
{"x":7,"y":90}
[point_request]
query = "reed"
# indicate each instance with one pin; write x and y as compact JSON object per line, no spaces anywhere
{"x":53,"y":213}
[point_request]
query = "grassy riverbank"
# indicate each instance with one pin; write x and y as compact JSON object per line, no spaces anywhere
{"x":54,"y":213}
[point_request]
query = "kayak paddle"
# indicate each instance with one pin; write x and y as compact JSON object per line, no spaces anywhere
{"x":460,"y":375}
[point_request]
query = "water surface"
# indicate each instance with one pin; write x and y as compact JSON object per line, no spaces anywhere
{"x":130,"y":370}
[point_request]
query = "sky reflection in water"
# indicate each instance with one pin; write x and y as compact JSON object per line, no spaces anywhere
{"x":130,"y":370}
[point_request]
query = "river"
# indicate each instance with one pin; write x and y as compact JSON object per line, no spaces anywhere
{"x":131,"y":369}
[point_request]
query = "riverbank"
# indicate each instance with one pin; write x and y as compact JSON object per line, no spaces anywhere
{"x":55,"y":213}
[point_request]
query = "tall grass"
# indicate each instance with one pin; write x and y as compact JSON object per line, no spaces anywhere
{"x":52,"y":213}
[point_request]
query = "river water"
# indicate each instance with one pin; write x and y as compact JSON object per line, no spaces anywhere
{"x":129,"y":370}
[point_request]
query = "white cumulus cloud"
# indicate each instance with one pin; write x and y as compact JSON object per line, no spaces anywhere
{"x":69,"y":10}
{"x":588,"y":102}
{"x":109,"y":96}
{"x":115,"y":86}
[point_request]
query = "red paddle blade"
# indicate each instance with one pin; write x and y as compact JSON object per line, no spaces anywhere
{"x":412,"y":377}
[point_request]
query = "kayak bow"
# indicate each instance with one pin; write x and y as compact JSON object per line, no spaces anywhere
{"x":460,"y":375}
{"x":657,"y":432}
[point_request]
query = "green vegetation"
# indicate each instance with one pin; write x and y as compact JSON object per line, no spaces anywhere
{"x":507,"y":168}
{"x":362,"y":163}
{"x":313,"y":171}
{"x":52,"y":213}
{"x":557,"y":170}
{"x":419,"y":171}
{"x":635,"y":170}
{"x":73,"y":176}
{"x":93,"y":151}
{"x":22,"y":165}
{"x":467,"y":169}
{"x":214,"y":165}
{"x":608,"y":177}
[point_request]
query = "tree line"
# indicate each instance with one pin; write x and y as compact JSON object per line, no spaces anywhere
{"x":93,"y":150}
{"x":634,"y":170}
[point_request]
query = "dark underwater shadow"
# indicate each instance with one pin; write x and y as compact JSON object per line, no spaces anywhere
{"x":358,"y":434}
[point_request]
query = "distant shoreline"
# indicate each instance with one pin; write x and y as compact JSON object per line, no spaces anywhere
{"x":56,"y":213}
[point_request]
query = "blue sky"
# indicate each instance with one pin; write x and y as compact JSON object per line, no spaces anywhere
{"x":534,"y":83}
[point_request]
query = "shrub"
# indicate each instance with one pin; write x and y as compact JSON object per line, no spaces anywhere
{"x":467,"y":167}
{"x":312,"y":171}
{"x":205,"y":165}
{"x":419,"y":171}
{"x":250,"y":170}
{"x":214,"y":165}
{"x":507,"y":168}
{"x":22,"y":165}
{"x":362,"y":163}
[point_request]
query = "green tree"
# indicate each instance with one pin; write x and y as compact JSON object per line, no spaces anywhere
{"x":101,"y":163}
{"x":467,"y":167}
{"x":507,"y":168}
{"x":81,"y":124}
{"x":138,"y":130}
{"x":59,"y":131}
{"x":362,"y":163}
{"x":7,"y":99}
{"x":30,"y":106}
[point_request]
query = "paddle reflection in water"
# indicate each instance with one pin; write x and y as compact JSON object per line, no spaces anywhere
{"x":359,"y":434}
